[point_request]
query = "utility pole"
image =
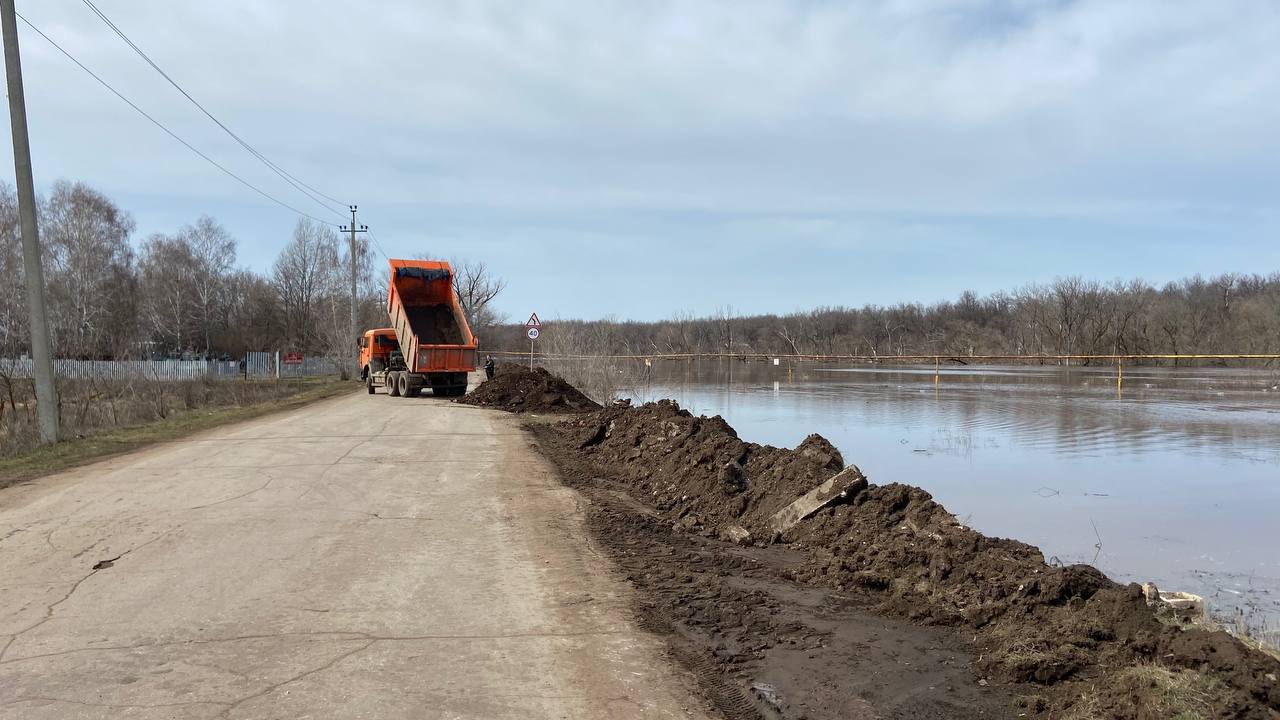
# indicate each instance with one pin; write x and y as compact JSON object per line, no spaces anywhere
{"x":353,"y":229}
{"x":41,"y":347}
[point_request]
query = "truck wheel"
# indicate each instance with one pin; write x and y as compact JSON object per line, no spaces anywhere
{"x":393,"y":384}
{"x":402,"y":385}
{"x":368,"y":383}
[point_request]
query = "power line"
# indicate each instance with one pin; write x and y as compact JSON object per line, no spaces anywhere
{"x":378,"y":245}
{"x":171,"y":134}
{"x":284,"y":174}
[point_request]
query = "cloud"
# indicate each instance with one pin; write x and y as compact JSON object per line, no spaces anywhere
{"x":481,"y":124}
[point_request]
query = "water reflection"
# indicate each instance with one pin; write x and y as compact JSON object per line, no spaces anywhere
{"x":1177,"y":469}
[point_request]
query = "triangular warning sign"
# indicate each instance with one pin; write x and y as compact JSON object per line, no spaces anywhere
{"x":534,"y":322}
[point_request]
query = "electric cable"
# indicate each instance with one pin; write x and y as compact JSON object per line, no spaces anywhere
{"x":284,"y":174}
{"x":377,"y":244}
{"x":171,"y":133}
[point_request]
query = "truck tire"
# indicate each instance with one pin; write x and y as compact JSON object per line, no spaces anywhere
{"x":402,"y":385}
{"x":368,"y":383}
{"x":393,"y":384}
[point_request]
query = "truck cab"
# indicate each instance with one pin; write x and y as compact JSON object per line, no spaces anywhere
{"x":376,"y":347}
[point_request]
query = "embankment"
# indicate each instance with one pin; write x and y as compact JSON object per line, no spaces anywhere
{"x":881,"y":604}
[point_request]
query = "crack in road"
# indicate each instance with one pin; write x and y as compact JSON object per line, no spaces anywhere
{"x":41,"y":698}
{"x":49,"y":610}
{"x":276,"y":686}
{"x":245,"y":610}
{"x":328,"y":636}
{"x":270,"y":479}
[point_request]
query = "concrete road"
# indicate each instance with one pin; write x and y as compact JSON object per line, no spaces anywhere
{"x":366,"y":557}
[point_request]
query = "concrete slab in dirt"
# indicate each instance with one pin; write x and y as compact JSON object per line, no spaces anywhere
{"x":365,"y":557}
{"x":843,"y":484}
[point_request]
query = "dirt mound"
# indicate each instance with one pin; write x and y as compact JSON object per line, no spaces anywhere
{"x":1037,"y":623}
{"x":1075,"y":640}
{"x":518,"y":389}
{"x":760,"y":644}
{"x":696,"y":471}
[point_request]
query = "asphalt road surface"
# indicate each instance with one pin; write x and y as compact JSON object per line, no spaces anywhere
{"x":365,"y":557}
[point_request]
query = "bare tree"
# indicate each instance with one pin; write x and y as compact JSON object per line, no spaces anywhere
{"x":303,"y":274}
{"x":90,"y":271}
{"x":252,"y":319}
{"x":477,"y":287}
{"x":14,"y":330}
{"x":213,"y":255}
{"x":167,"y":275}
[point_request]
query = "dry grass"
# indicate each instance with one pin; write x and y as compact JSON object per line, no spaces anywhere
{"x":1166,"y":693}
{"x":189,"y":410}
{"x":1174,"y":694}
{"x":1267,"y":643}
{"x":1085,"y":708}
{"x":601,"y":379}
{"x":1253,"y":628}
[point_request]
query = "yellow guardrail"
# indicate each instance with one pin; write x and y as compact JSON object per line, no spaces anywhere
{"x":937,"y":359}
{"x":934,"y":358}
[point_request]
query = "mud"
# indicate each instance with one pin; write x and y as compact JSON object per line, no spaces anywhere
{"x":763,"y":645}
{"x":969,"y":625}
{"x":517,"y":389}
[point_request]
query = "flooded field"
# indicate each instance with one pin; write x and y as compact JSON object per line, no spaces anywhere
{"x":1172,"y":477}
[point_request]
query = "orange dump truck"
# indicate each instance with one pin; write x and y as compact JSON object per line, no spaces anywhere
{"x":436,"y":348}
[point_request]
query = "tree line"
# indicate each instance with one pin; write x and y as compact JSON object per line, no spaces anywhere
{"x":181,"y":294}
{"x":1228,"y":313}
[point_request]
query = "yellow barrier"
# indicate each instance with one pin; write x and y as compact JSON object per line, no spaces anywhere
{"x":936,"y":358}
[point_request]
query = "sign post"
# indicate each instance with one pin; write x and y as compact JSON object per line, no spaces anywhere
{"x":533,"y":328}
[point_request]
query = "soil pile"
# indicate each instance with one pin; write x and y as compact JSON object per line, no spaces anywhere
{"x":760,"y":644}
{"x":517,"y":389}
{"x":696,"y":471}
{"x":1061,"y":628}
{"x":1076,"y":642}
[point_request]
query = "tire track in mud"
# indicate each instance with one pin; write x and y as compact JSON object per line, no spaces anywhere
{"x":761,"y":646}
{"x":731,"y":701}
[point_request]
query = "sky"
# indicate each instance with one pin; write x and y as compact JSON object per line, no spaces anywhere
{"x":636,"y":158}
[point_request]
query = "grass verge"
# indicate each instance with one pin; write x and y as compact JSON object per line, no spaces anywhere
{"x":68,"y":454}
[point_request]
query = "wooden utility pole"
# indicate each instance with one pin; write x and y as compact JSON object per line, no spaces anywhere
{"x":41,"y":347}
{"x":355,"y":314}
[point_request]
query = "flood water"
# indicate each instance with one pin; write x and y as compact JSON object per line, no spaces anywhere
{"x":1174,"y":477}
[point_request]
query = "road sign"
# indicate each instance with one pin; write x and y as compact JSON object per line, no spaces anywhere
{"x":293,"y":358}
{"x":534,"y":322}
{"x":532,"y":333}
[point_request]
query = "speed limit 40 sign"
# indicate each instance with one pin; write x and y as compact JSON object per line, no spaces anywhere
{"x":532,"y":333}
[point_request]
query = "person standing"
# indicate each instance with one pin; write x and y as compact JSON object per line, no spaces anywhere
{"x":488,"y":367}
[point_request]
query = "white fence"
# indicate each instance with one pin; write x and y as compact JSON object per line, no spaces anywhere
{"x":257,"y":365}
